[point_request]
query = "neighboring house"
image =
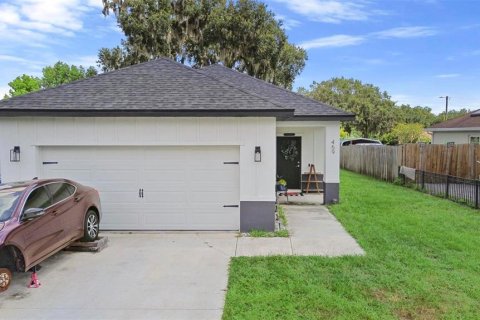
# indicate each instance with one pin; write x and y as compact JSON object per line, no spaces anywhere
{"x":461,"y":130}
{"x":170,"y":147}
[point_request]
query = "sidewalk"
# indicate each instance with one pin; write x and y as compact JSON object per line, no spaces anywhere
{"x":313,"y":231}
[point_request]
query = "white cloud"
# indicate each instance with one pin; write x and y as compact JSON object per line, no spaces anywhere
{"x":287,"y":23}
{"x":339,"y":40}
{"x":343,"y":40}
{"x":85,"y":61}
{"x":406,"y":32}
{"x":400,"y":98}
{"x":3,"y":91}
{"x":331,"y":11}
{"x":5,"y":57}
{"x":447,"y":75}
{"x":34,"y":22}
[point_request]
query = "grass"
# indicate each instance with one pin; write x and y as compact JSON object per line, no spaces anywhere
{"x":422,"y":262}
{"x":268,"y":234}
{"x":282,"y":216}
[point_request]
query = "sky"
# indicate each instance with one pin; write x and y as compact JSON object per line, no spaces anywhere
{"x":416,"y":50}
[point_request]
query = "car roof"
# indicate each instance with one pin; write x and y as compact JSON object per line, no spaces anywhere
{"x":28,"y":183}
{"x":355,"y":139}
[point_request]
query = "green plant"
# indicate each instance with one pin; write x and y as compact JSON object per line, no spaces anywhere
{"x":269,"y":234}
{"x":281,"y":216}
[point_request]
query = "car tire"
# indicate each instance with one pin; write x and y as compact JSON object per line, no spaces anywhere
{"x":91,"y":226}
{"x":5,"y":279}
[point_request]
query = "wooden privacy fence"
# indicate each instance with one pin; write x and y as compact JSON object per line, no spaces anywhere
{"x":382,"y":162}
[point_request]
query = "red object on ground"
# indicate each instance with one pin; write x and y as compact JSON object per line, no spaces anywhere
{"x":34,"y":282}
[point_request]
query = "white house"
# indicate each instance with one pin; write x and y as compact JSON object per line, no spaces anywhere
{"x":170,"y":147}
{"x":461,"y":130}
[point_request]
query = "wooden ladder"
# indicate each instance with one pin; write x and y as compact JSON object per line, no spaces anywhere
{"x":312,"y":174}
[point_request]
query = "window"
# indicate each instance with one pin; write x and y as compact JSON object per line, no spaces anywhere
{"x":475,"y":140}
{"x":38,"y":199}
{"x":60,"y":191}
{"x":8,"y":201}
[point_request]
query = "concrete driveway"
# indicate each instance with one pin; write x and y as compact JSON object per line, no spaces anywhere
{"x":162,"y":275}
{"x":138,"y":276}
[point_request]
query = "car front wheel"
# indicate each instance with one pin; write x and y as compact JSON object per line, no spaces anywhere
{"x":5,"y":279}
{"x":91,"y":226}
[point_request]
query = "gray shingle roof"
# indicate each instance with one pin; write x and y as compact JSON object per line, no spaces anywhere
{"x":469,"y":120}
{"x":304,"y":106}
{"x":164,"y":87}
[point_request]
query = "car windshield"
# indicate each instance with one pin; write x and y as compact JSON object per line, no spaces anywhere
{"x":8,"y":201}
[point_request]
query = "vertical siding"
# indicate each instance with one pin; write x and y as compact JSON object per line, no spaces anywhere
{"x":257,"y":179}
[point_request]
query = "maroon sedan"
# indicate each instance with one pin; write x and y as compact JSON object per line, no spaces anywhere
{"x":41,"y":217}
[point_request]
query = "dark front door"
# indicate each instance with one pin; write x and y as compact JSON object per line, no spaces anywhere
{"x":289,"y":151}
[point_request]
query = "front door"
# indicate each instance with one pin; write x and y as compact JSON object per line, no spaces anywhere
{"x":289,"y":152}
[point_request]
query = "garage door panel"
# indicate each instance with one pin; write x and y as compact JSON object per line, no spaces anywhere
{"x":114,"y":175}
{"x":118,"y":197}
{"x":116,"y":221}
{"x":185,"y":188}
{"x":162,"y":175}
{"x":213,"y":197}
{"x":165,"y":197}
{"x":195,"y":187}
{"x":77,"y":175}
{"x":211,"y":175}
{"x":172,"y":220}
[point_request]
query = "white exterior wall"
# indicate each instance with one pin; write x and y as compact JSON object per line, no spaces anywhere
{"x":318,"y":138}
{"x":453,"y":136}
{"x":257,"y":179}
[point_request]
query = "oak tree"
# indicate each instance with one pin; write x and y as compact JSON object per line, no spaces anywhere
{"x":242,"y":34}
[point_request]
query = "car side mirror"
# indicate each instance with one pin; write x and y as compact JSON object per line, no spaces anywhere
{"x":32,"y":213}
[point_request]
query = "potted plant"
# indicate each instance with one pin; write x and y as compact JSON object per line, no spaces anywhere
{"x":282,"y":185}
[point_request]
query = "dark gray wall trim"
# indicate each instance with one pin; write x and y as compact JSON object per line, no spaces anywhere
{"x":258,"y":215}
{"x":346,"y":117}
{"x":281,"y":115}
{"x":331,"y":193}
{"x":146,"y":113}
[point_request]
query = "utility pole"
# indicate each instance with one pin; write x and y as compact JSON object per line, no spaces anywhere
{"x":446,"y":106}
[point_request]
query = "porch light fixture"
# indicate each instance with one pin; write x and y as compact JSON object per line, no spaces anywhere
{"x":15,"y":154}
{"x":258,"y":154}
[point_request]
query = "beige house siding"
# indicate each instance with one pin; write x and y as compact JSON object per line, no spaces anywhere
{"x":461,"y":137}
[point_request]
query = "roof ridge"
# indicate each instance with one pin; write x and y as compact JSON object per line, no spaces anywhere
{"x":278,"y":87}
{"x":242,"y":90}
{"x":232,"y":86}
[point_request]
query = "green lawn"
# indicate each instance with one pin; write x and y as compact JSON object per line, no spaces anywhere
{"x":422,"y":262}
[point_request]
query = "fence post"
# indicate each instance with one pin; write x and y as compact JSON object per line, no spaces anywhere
{"x":423,"y":180}
{"x":476,"y":194}
{"x":447,"y":186}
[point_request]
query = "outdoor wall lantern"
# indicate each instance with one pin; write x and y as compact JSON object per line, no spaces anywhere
{"x":258,"y":154}
{"x":15,"y":154}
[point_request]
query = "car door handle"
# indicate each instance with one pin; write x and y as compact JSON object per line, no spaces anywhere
{"x":230,"y":206}
{"x":77,"y":199}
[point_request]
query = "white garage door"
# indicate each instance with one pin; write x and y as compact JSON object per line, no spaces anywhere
{"x":155,"y":188}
